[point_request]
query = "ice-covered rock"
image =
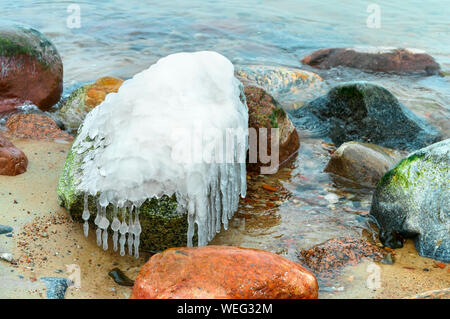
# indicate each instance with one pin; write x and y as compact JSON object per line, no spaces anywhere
{"x":167,"y":133}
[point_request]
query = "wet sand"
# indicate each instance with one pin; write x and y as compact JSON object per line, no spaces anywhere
{"x":45,"y":241}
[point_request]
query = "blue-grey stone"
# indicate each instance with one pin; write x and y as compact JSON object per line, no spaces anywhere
{"x":5,"y":229}
{"x":56,"y":287}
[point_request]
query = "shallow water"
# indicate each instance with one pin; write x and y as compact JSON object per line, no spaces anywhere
{"x":121,"y":39}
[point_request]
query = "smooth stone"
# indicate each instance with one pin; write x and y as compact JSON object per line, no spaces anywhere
{"x":5,"y":229}
{"x":120,"y":278}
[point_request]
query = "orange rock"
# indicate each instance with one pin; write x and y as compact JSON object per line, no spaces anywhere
{"x":222,"y":272}
{"x":269,"y":188}
{"x":12,"y":160}
{"x":440,"y":265}
{"x":97,"y":92}
{"x":35,"y":126}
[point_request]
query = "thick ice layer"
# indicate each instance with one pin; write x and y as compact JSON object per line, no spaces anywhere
{"x":129,"y":142}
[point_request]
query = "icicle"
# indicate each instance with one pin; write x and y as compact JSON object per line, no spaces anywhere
{"x":123,"y":230}
{"x":115,"y":225}
{"x":104,"y":223}
{"x":130,"y":230}
{"x":190,"y":231}
{"x":98,"y":231}
{"x":137,"y":233}
{"x":86,"y":216}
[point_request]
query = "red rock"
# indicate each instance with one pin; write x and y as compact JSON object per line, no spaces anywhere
{"x":31,"y":69}
{"x":222,"y":272}
{"x":396,"y":60}
{"x":264,"y":112}
{"x":12,"y":160}
{"x":35,"y":126}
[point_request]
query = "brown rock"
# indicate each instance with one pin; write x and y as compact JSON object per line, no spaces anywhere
{"x":394,"y":60}
{"x":264,"y":112}
{"x":222,"y":272}
{"x":31,"y":69}
{"x":12,"y":160}
{"x":35,"y":126}
{"x":326,"y":259}
{"x":363,"y":163}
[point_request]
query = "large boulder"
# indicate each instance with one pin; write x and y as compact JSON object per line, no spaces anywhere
{"x":12,"y":160}
{"x":374,"y":59}
{"x":265,"y":112}
{"x":223,"y":272}
{"x":35,"y":126}
{"x":365,"y":112}
{"x":412,"y":201}
{"x":291,"y":87}
{"x":362,"y":163}
{"x":31,"y":69}
{"x":163,"y":226}
{"x":73,"y":109}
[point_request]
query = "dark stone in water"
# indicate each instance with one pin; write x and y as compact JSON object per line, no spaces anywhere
{"x":120,"y":278}
{"x":5,"y":229}
{"x":56,"y":287}
{"x":365,"y":112}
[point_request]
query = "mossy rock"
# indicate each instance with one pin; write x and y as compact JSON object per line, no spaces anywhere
{"x":412,"y":201}
{"x":162,"y":225}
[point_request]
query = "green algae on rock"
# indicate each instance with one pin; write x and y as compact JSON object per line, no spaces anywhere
{"x":412,"y":201}
{"x":162,"y":225}
{"x":31,"y":69}
{"x":365,"y":112}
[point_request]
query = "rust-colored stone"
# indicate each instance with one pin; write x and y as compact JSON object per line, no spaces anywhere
{"x":97,"y":92}
{"x":222,"y":272}
{"x":396,"y":60}
{"x":35,"y":126}
{"x":12,"y":160}
{"x":264,"y":112}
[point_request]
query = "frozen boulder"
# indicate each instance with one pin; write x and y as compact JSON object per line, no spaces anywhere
{"x":169,"y":145}
{"x":31,"y":69}
{"x":223,"y":272}
{"x":413,"y":199}
{"x":365,"y":112}
{"x":375,"y":59}
{"x":73,"y":109}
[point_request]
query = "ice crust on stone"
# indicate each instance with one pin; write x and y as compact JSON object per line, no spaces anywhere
{"x":128,"y":144}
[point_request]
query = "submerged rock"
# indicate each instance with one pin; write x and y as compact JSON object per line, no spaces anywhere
{"x":35,"y":126}
{"x":412,"y":201}
{"x":223,"y":272}
{"x":362,"y":163}
{"x":73,"y":110}
{"x":31,"y":69}
{"x":264,"y":112}
{"x":12,"y":160}
{"x":377,"y":60}
{"x":327,"y":259}
{"x":365,"y":112}
{"x":120,"y":278}
{"x":56,"y":287}
{"x":293,"y":87}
